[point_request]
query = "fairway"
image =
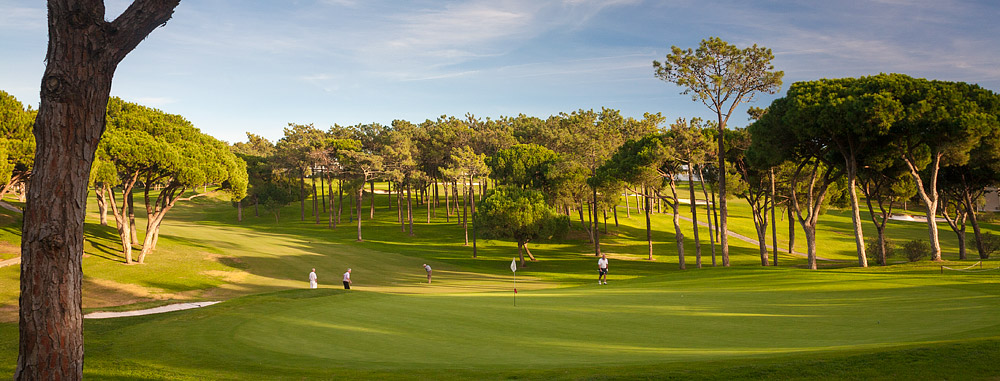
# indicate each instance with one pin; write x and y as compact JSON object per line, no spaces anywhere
{"x":722,"y":315}
{"x":651,"y":321}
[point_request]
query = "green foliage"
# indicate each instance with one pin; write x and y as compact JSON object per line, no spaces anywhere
{"x":872,"y":249}
{"x":17,"y":143}
{"x":719,"y":74}
{"x":521,"y":214}
{"x":990,"y":242}
{"x":916,"y":250}
{"x":524,"y":166}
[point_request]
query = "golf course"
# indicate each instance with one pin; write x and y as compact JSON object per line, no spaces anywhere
{"x":651,"y":321}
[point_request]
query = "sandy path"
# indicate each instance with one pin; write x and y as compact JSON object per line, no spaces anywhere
{"x":148,"y":311}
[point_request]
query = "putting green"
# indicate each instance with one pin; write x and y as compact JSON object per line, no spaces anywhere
{"x":717,"y":315}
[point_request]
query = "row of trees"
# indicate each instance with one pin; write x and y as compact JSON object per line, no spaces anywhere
{"x":462,"y":157}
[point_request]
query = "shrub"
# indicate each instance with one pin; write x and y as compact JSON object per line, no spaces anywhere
{"x":916,"y":250}
{"x":872,"y":249}
{"x":991,"y":243}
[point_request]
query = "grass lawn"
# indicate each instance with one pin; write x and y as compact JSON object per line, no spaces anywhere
{"x":651,"y":321}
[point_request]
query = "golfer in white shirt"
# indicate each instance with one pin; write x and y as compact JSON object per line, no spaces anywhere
{"x":602,"y":269}
{"x":347,"y":280}
{"x":312,"y":279}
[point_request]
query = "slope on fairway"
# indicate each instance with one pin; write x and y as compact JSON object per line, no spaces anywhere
{"x":706,"y":316}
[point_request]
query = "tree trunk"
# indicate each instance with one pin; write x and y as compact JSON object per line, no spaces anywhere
{"x":322,"y":190}
{"x":371,"y":212}
{"x":614,"y":211}
{"x":791,"y":230}
{"x":520,"y":251}
{"x":628,"y":210}
{"x":708,"y":212}
{"x":811,"y":244}
{"x":723,"y":210}
{"x":239,"y":211}
{"x":447,"y":203}
{"x":302,"y":195}
{"x":83,"y":53}
{"x":102,"y":205}
{"x":971,"y":210}
{"x":315,"y":201}
{"x":473,"y":210}
{"x":399,"y":215}
{"x":131,"y":217}
{"x":597,"y":234}
{"x":428,"y":205}
{"x":930,"y":197}
{"x":774,"y":222}
{"x":465,"y":213}
{"x":649,"y":230}
{"x":678,"y":235}
{"x":361,"y":191}
{"x":340,"y":199}
{"x":694,"y":216}
{"x":852,"y":190}
{"x":409,"y":207}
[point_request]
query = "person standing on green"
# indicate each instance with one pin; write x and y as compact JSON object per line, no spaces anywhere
{"x":602,"y":269}
{"x":347,"y":280}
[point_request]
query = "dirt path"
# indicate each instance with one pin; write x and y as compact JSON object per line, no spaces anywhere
{"x":12,"y":208}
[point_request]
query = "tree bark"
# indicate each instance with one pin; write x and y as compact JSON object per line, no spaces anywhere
{"x":723,"y":210}
{"x":102,"y":205}
{"x":852,"y":190}
{"x":371,"y":213}
{"x":361,"y":191}
{"x":597,"y":234}
{"x":302,"y":194}
{"x":708,"y":212}
{"x":131,"y":217}
{"x":694,"y":216}
{"x":774,"y":222}
{"x":930,"y":197}
{"x":409,"y":207}
{"x":83,"y":53}
{"x":649,"y":230}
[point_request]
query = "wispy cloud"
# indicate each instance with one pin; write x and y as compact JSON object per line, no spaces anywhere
{"x":13,"y":17}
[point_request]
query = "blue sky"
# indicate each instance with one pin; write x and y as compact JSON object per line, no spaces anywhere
{"x":234,"y":66}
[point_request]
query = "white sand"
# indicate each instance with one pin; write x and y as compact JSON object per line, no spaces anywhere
{"x":149,"y":311}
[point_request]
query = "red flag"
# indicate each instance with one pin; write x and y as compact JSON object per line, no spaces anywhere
{"x":515,"y":290}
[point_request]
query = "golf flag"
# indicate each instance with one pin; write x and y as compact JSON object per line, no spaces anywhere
{"x":513,"y":268}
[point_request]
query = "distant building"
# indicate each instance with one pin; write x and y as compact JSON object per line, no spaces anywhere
{"x":991,"y":201}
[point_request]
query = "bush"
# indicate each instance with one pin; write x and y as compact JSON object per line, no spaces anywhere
{"x":991,"y":243}
{"x":872,"y":249}
{"x":916,"y":250}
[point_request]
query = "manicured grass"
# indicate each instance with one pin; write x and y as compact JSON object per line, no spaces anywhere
{"x":651,"y":321}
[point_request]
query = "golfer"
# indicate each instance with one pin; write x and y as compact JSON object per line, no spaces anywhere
{"x":347,"y":280}
{"x":428,"y":268}
{"x":602,"y":269}
{"x":312,"y":279}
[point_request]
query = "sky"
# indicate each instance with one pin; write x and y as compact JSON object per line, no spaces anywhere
{"x":237,"y":66}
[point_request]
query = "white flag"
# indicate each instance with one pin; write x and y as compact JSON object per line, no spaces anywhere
{"x":513,"y":265}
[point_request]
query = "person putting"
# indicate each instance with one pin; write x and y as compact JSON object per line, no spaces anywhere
{"x":347,"y":280}
{"x":312,"y":279}
{"x":428,"y":269}
{"x":602,"y":269}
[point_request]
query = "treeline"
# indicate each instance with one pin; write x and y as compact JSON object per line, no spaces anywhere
{"x":162,"y":154}
{"x":888,"y":136}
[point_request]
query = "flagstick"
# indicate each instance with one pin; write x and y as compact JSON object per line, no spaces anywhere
{"x":515,"y":289}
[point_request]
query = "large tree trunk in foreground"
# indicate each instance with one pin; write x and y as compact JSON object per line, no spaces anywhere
{"x":83,"y":53}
